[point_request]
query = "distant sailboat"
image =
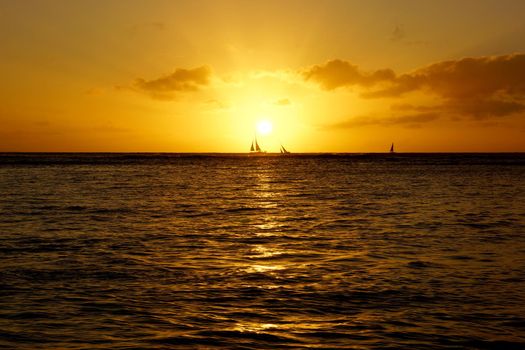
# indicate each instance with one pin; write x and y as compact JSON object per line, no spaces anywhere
{"x":284,"y":151}
{"x":392,"y":148}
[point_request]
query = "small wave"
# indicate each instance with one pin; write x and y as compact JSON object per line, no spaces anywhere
{"x":326,"y":335}
{"x":418,"y":264}
{"x":241,"y":209}
{"x":190,"y":340}
{"x":121,"y":210}
{"x":193,"y":213}
{"x":237,"y":334}
{"x":27,"y":315}
{"x":460,"y":257}
{"x":75,"y":208}
{"x":21,"y":337}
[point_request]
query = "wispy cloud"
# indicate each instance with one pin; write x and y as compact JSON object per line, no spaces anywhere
{"x":398,"y":33}
{"x":215,"y":104}
{"x":147,"y":27}
{"x":410,"y":120}
{"x":282,"y":102}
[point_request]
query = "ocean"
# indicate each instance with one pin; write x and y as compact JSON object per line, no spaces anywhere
{"x":229,"y":251}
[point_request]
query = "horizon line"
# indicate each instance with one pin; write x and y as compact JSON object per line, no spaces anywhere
{"x":255,"y":155}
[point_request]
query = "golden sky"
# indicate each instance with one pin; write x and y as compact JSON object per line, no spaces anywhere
{"x":197,"y":76}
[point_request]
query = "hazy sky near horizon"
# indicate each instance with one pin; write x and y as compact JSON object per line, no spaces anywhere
{"x":196,"y":76}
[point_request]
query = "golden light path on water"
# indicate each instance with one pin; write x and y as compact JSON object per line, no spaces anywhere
{"x":271,"y":261}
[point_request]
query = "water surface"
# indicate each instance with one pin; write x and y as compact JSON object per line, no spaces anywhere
{"x":163,"y":251}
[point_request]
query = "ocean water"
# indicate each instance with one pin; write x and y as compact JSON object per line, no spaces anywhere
{"x":166,"y":251}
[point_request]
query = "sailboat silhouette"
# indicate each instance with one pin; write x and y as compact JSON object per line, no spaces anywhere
{"x":255,"y":146}
{"x":392,"y":148}
{"x":283,"y":150}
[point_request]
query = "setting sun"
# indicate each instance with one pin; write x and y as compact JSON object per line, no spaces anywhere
{"x":264,"y":127}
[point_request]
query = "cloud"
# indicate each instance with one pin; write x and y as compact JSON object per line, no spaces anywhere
{"x":282,"y":102}
{"x":411,"y":107}
{"x":214,"y":104}
{"x":410,"y":120}
{"x":477,"y":87}
{"x":147,"y":27}
{"x":96,"y":91}
{"x":339,"y":73}
{"x":482,"y":109}
{"x":479,"y":77}
{"x":182,"y":80}
{"x":476,"y":108}
{"x":398,"y":33}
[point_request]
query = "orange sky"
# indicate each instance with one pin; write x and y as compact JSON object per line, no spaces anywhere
{"x":197,"y":76}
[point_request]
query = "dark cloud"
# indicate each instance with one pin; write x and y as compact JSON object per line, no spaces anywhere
{"x":477,"y":87}
{"x":182,"y":80}
{"x":410,"y":120}
{"x":469,"y":78}
{"x":339,"y":73}
{"x":482,"y":109}
{"x":474,"y":108}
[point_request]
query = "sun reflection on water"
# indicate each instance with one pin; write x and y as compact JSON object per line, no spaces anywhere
{"x":264,"y":268}
{"x":261,"y":251}
{"x":254,"y":327}
{"x":265,"y":222}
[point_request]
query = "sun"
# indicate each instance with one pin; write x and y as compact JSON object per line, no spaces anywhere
{"x":264,"y":127}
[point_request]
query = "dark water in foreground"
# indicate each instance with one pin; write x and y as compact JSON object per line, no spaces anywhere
{"x":167,"y":251}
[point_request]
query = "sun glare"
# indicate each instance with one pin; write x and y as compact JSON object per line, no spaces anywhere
{"x":264,"y":127}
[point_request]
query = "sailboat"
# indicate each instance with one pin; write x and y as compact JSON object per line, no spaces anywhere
{"x":392,"y":148}
{"x":283,"y":150}
{"x":255,"y":147}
